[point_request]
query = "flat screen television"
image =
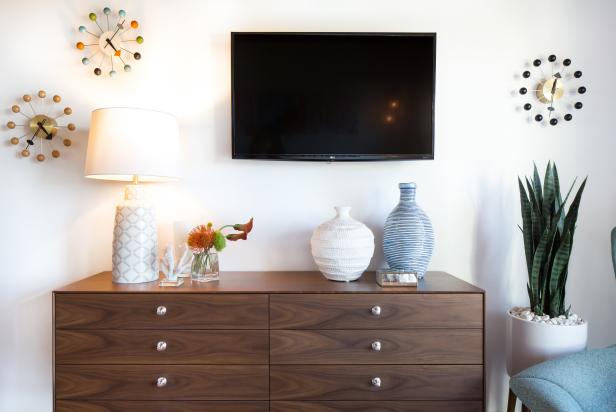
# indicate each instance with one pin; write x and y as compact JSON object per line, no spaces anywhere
{"x":333,"y":96}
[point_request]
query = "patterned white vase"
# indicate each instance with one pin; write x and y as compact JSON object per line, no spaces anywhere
{"x":342,"y":247}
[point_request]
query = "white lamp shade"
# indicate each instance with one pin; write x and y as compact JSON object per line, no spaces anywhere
{"x":126,"y":142}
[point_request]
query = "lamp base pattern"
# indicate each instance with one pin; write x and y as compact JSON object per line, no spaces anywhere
{"x":135,"y":245}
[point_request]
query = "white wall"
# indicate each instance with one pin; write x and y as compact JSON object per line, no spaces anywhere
{"x":56,"y":226}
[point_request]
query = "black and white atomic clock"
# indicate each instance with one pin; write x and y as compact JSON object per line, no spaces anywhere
{"x":552,"y":90}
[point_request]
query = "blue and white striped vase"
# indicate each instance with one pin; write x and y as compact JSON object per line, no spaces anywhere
{"x":408,"y":240}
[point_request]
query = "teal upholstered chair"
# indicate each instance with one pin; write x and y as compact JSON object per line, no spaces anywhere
{"x":584,"y":381}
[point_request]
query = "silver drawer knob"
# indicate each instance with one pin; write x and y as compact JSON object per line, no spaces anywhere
{"x":376,"y":310}
{"x":162,"y":381}
{"x":161,"y":346}
{"x":376,"y":346}
{"x":376,"y":382}
{"x":161,"y":311}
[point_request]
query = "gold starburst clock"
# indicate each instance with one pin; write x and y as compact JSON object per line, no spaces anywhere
{"x":40,"y":134}
{"x":108,"y":45}
{"x":555,"y":89}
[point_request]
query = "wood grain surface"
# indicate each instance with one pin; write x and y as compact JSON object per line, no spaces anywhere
{"x":397,"y":311}
{"x":138,"y":311}
{"x":398,"y":347}
{"x":353,"y":382}
{"x":161,"y":406}
{"x":274,"y":282}
{"x":196,"y":347}
{"x":185,"y":382}
{"x":373,"y":406}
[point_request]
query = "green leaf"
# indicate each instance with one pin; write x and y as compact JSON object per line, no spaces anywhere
{"x":535,"y":213}
{"x":556,"y":183}
{"x":549,"y":194}
{"x":219,"y":241}
{"x":559,"y":269}
{"x":572,"y":214}
{"x":527,"y":230}
{"x":537,"y":185}
{"x":614,"y":249}
{"x":539,"y":261}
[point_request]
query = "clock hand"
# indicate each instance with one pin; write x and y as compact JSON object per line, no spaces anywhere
{"x":111,"y":44}
{"x":120,"y":25}
{"x":40,"y":127}
{"x":551,"y":108}
{"x":116,"y":51}
{"x":49,"y":136}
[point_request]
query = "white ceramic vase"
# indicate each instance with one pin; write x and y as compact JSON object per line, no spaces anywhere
{"x":529,"y":343}
{"x":342,"y":247}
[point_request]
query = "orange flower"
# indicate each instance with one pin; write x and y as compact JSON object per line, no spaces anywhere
{"x":246,"y":227}
{"x":201,"y":238}
{"x":237,"y":236}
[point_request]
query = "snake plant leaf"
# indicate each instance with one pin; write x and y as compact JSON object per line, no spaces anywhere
{"x":561,"y":262}
{"x":539,"y":265}
{"x":527,"y":230}
{"x":614,"y":249}
{"x":549,"y":193}
{"x":537,"y":184}
{"x":572,"y":214}
{"x":531,"y":296}
{"x":535,"y":213}
{"x":561,"y":208}
{"x":556,"y":183}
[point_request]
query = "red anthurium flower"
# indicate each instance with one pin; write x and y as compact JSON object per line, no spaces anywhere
{"x":246,"y":227}
{"x":237,"y":236}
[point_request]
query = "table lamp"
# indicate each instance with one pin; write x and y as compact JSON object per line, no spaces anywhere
{"x":133,"y":145}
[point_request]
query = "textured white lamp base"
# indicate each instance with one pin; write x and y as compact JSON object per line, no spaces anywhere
{"x":134,"y":241}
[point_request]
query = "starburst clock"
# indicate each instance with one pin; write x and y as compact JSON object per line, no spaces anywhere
{"x":40,"y":133}
{"x":554,"y":89}
{"x":108,"y":46}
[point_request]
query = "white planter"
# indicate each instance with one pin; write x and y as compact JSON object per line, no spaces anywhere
{"x":529,"y":343}
{"x":342,"y":247}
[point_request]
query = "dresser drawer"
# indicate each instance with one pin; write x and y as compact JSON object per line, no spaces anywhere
{"x":161,"y":311}
{"x":381,"y":406}
{"x":161,"y":406}
{"x":376,"y":311}
{"x":356,"y":382}
{"x":139,"y":382}
{"x":165,"y":346}
{"x":397,"y":347}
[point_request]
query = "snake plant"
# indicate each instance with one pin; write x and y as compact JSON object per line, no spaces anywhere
{"x":614,"y":249}
{"x":548,"y":238}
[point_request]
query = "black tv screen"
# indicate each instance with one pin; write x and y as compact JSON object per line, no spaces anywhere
{"x":333,"y":96}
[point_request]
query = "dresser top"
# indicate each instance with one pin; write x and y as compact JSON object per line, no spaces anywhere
{"x":274,"y":282}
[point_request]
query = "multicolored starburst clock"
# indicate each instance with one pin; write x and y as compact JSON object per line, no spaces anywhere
{"x":40,"y":131}
{"x":111,"y":46}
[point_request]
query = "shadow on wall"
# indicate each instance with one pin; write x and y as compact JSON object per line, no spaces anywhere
{"x":491,"y":269}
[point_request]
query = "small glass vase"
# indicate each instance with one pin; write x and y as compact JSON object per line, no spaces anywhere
{"x":205,"y":267}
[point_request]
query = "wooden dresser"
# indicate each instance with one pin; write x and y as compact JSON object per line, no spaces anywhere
{"x":269,"y":341}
